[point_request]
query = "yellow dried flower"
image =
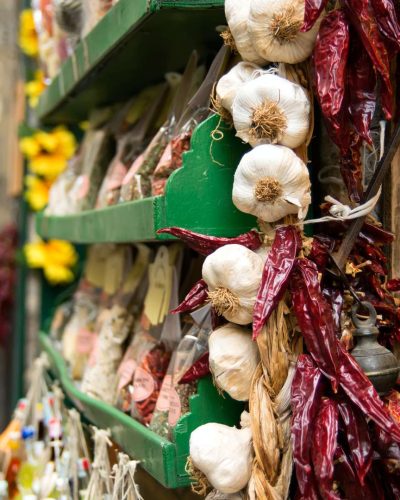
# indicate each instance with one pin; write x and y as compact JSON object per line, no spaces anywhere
{"x":34,"y":88}
{"x":29,"y":147}
{"x":37,"y":192}
{"x":49,"y":166}
{"x":28,"y":39}
{"x":55,"y":257}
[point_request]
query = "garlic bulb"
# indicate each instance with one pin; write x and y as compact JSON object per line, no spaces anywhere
{"x":233,"y":275}
{"x":224,"y":454}
{"x":229,"y":84}
{"x":234,"y":358}
{"x":237,"y":14}
{"x":274,"y":29}
{"x":271,"y":182}
{"x":217,"y":495}
{"x":271,"y":110}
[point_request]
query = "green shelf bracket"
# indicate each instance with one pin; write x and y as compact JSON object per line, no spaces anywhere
{"x":163,"y":459}
{"x":131,"y":47}
{"x":198,"y":197}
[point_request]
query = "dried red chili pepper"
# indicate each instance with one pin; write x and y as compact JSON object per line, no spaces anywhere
{"x":344,"y":475}
{"x":362,"y":393}
{"x":363,"y":19}
{"x":314,"y":317}
{"x":357,"y":435}
{"x":198,"y":370}
{"x":312,"y":10}
{"x":319,"y":253}
{"x":323,"y":447}
{"x":393,"y":285}
{"x":350,"y":161}
{"x":205,"y":245}
{"x":336,"y":299}
{"x":386,"y":18}
{"x":277,"y":269}
{"x":330,"y":61}
{"x":195,"y":298}
{"x":361,"y":84}
{"x":307,"y":389}
{"x":376,"y":234}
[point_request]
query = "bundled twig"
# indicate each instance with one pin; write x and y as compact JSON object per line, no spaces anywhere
{"x":270,"y":408}
{"x":100,"y":482}
{"x":125,"y":487}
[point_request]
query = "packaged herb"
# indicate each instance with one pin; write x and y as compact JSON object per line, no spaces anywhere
{"x":173,"y":400}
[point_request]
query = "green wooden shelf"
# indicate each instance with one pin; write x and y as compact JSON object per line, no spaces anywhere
{"x":163,"y":459}
{"x":132,"y":46}
{"x":198,"y":197}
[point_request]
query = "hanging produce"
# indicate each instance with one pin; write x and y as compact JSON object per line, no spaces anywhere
{"x":228,"y":85}
{"x":237,"y":16}
{"x":224,"y":454}
{"x":271,"y":110}
{"x":275,"y":30}
{"x":233,"y":274}
{"x":272,"y":182}
{"x":233,"y":360}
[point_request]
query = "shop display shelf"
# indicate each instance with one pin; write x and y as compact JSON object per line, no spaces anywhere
{"x":132,"y":46}
{"x":164,"y":460}
{"x":198,"y":197}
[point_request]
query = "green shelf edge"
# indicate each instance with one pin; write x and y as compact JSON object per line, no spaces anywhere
{"x":126,"y":432}
{"x":163,"y":459}
{"x":115,"y":59}
{"x":197,"y":197}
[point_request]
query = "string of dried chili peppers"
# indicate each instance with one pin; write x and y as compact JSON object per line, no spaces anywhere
{"x":205,"y":245}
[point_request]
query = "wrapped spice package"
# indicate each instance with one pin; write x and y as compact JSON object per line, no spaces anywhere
{"x":173,"y":400}
{"x":141,"y":343}
{"x":97,"y":152}
{"x":171,"y":158}
{"x":60,"y":319}
{"x":78,"y":336}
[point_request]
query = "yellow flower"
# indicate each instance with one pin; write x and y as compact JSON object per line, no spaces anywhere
{"x":66,"y":142}
{"x":55,"y":257}
{"x":34,"y":88}
{"x":62,"y":253}
{"x":57,"y":274}
{"x":49,"y":166}
{"x":47,"y":141}
{"x":35,"y":254}
{"x":37,"y":192}
{"x":28,"y":39}
{"x":29,"y":147}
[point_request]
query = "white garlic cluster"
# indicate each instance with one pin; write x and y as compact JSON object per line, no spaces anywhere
{"x":233,"y":275}
{"x":272,"y":182}
{"x":234,"y":358}
{"x":237,"y":14}
{"x":269,"y":30}
{"x":229,"y":84}
{"x":224,"y":454}
{"x":271,"y":110}
{"x":274,"y":30}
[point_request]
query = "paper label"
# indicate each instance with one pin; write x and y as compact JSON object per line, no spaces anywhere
{"x":143,"y":385}
{"x":84,"y":341}
{"x":163,"y":397}
{"x":125,"y":372}
{"x":175,"y":410}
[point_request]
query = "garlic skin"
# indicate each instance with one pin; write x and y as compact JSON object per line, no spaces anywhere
{"x":233,"y":275}
{"x":229,"y":84}
{"x":274,"y":29}
{"x":272,"y":182}
{"x":234,"y":358}
{"x":271,"y":110}
{"x":224,"y":454}
{"x":237,"y":14}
